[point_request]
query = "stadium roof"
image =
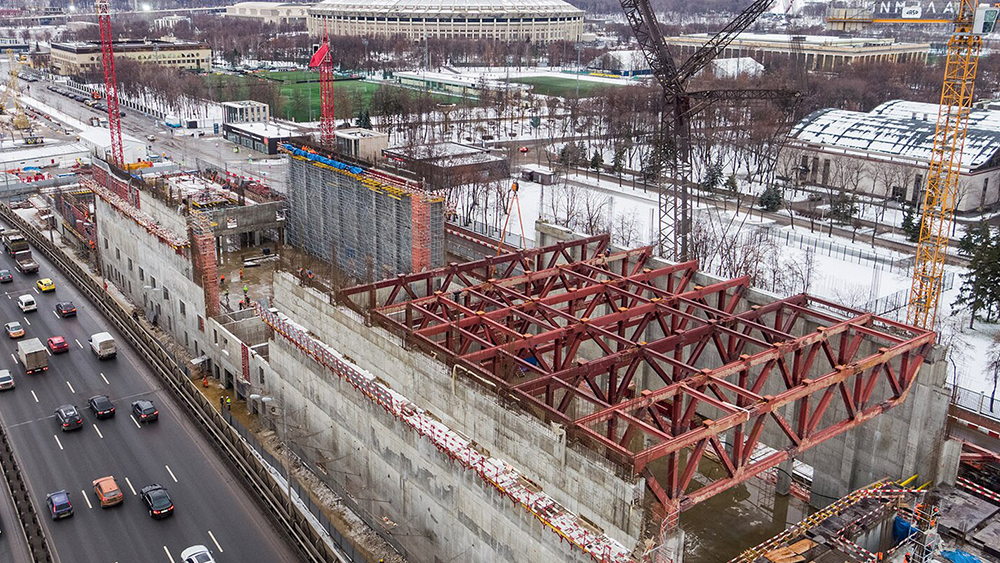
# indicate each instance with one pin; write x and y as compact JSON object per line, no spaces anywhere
{"x":415,"y":7}
{"x":894,"y":133}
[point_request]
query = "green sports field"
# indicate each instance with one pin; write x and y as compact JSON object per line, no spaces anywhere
{"x":561,"y":87}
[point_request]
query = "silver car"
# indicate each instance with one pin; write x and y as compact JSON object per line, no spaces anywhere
{"x":6,"y":380}
{"x":197,"y":554}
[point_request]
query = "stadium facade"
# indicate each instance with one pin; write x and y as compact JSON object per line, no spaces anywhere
{"x":539,"y":21}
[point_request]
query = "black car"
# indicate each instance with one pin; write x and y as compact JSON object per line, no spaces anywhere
{"x":145,"y":411}
{"x":66,"y":309}
{"x":158,"y":501}
{"x":102,"y":406}
{"x":69,"y":418}
{"x":6,"y":276}
{"x":59,"y":505}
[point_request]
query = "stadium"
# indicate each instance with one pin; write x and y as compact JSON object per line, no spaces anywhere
{"x":538,"y":21}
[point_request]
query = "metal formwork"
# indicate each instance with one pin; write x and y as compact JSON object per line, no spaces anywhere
{"x":645,"y":366}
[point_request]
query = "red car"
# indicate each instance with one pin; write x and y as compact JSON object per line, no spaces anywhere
{"x":524,"y":149}
{"x":58,"y":344}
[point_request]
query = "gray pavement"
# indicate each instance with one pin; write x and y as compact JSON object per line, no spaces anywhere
{"x":212,"y":508}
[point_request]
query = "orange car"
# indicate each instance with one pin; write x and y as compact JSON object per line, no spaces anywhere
{"x":107,"y":491}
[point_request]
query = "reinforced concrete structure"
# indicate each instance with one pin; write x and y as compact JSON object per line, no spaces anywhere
{"x":368,"y":222}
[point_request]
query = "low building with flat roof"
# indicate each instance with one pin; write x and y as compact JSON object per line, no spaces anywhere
{"x":80,"y":57}
{"x":261,"y":137}
{"x":270,"y":12}
{"x":361,"y":143}
{"x":246,"y":111}
{"x":817,"y":52}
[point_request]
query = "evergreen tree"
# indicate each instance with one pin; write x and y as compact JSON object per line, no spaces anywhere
{"x":980,"y":290}
{"x":910,"y":226}
{"x":618,"y":163}
{"x":597,"y":160}
{"x":771,"y":199}
{"x":731,"y":183}
{"x":713,"y":177}
{"x":364,"y":119}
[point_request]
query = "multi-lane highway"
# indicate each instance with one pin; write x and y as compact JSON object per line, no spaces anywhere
{"x":211,"y":508}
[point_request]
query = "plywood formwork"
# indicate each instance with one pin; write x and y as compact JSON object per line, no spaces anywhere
{"x":653,"y":371}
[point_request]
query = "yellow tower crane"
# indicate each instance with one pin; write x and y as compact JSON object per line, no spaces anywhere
{"x":20,"y":120}
{"x":971,"y":21}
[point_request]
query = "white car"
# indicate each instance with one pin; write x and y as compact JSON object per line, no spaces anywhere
{"x":6,"y":380}
{"x":197,"y":554}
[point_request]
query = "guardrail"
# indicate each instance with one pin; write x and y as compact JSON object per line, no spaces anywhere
{"x":34,"y":534}
{"x":265,"y":488}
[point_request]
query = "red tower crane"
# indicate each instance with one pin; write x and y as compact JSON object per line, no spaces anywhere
{"x":110,"y":82}
{"x":323,"y":59}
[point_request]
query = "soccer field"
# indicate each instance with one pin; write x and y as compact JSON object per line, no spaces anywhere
{"x":561,"y":87}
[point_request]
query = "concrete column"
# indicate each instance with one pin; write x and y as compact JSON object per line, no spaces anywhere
{"x":784,"y":485}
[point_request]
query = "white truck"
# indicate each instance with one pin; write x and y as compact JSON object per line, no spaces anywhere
{"x":33,"y":355}
{"x":103,"y":344}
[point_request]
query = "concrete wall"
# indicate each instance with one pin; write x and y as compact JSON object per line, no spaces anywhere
{"x":574,"y":476}
{"x":906,"y":440}
{"x":133,"y":260}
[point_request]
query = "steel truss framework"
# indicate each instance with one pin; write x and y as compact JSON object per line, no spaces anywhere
{"x":637,"y":361}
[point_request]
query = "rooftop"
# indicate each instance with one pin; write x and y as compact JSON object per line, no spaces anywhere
{"x":128,"y":45}
{"x":266,"y":129}
{"x":806,"y":40}
{"x":893,"y":130}
{"x":455,"y":7}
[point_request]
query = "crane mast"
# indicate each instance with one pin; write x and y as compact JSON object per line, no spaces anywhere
{"x":938,"y":209}
{"x":110,"y":81}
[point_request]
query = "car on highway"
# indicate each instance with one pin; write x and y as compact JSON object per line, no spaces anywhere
{"x":145,"y":411}
{"x":66,"y":309}
{"x":69,"y":418}
{"x":14,"y":329}
{"x":158,"y":501}
{"x":6,"y":276}
{"x":57,"y":344}
{"x":6,"y":380}
{"x":26,"y":303}
{"x":102,"y":406}
{"x":197,"y":554}
{"x":45,"y":285}
{"x":59,"y":505}
{"x":107,"y":491}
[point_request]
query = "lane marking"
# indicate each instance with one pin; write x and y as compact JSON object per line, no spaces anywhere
{"x":98,"y":431}
{"x":130,"y":485}
{"x":171,"y":473}
{"x":55,"y":314}
{"x":215,"y":541}
{"x":13,"y":356}
{"x":57,"y":441}
{"x":78,"y":343}
{"x":168,"y":554}
{"x":70,"y":385}
{"x":86,"y":497}
{"x":49,"y":352}
{"x":105,"y":379}
{"x":135,"y":421}
{"x":34,"y":396}
{"x":36,"y":290}
{"x":27,"y":321}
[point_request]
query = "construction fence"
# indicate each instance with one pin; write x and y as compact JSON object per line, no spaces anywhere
{"x":902,"y":265}
{"x":978,"y":402}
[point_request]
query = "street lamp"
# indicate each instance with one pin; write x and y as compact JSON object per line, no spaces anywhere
{"x":284,"y":438}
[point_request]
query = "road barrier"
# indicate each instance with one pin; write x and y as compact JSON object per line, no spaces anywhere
{"x":257,"y":476}
{"x":34,"y":534}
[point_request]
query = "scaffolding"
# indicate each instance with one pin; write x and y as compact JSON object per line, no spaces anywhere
{"x":205,"y":260}
{"x":652,"y":370}
{"x":368,"y":223}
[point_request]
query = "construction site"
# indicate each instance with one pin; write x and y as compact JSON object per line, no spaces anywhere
{"x":462,"y":398}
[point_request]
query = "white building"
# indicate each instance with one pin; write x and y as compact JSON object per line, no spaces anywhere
{"x":886,"y":152}
{"x":621,"y":63}
{"x":269,"y":12}
{"x":737,"y":67}
{"x":42,"y":156}
{"x":168,"y":22}
{"x":539,"y":21}
{"x":98,"y":140}
{"x":246,"y":111}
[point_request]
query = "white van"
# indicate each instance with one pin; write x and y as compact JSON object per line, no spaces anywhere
{"x":26,"y":303}
{"x":103,"y":344}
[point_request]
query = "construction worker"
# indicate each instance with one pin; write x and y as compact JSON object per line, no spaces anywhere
{"x":241,"y":273}
{"x":222,"y":279}
{"x":309,"y":274}
{"x":246,"y":289}
{"x":300,"y":273}
{"x":229,"y":403}
{"x":222,"y":402}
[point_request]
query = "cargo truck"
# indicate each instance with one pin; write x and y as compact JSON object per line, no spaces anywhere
{"x":25,"y":263}
{"x":33,"y":355}
{"x":13,"y":241}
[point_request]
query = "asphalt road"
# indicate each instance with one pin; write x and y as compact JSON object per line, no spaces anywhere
{"x":211,"y":508}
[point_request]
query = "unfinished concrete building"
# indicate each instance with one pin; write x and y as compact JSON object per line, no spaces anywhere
{"x":591,"y":392}
{"x":160,"y":242}
{"x":370,"y":223}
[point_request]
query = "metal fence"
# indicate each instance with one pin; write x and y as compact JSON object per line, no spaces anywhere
{"x":848,"y":253}
{"x":983,"y":404}
{"x":296,"y":488}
